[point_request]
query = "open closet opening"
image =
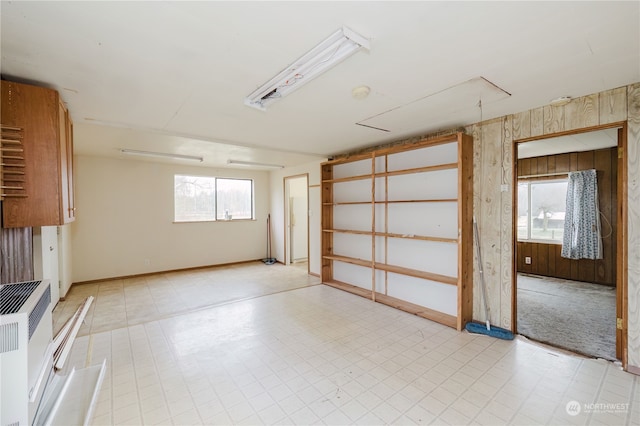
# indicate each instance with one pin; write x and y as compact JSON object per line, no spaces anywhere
{"x":296,"y":241}
{"x":569,"y":252}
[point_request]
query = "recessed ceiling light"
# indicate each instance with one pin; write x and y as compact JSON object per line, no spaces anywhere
{"x":360,"y":92}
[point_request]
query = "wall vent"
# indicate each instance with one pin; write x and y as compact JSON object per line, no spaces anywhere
{"x":39,"y":310}
{"x":9,"y":337}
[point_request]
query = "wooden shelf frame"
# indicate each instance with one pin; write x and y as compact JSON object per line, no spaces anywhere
{"x":444,"y":279}
{"x":393,"y":235}
{"x":376,"y":175}
{"x":432,"y":200}
{"x":464,"y":241}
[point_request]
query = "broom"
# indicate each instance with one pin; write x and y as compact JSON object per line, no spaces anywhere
{"x":269,"y":260}
{"x":478,"y":328}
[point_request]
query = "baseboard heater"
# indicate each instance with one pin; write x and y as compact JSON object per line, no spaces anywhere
{"x":31,"y":391}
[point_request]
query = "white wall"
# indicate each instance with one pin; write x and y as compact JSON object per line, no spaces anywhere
{"x":315,"y":209}
{"x":45,"y":258}
{"x":65,"y":259}
{"x":124,"y":223}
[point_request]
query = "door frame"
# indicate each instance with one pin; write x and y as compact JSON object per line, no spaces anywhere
{"x":621,"y":240}
{"x":285,"y":192}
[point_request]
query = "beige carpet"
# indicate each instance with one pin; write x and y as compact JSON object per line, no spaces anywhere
{"x":577,"y":316}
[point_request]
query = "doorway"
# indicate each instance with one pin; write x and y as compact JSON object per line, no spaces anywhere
{"x":296,"y":217}
{"x":577,"y":305}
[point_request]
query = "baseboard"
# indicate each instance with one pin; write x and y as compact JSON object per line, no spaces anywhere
{"x":146,"y":274}
{"x":633,"y":369}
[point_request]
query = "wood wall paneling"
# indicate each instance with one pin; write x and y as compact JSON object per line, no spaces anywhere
{"x":521,"y":125}
{"x":607,"y":188}
{"x":613,"y":105}
{"x":553,"y":119}
{"x":474,"y":131}
{"x":489,"y":220}
{"x":507,"y":248}
{"x":582,"y":112}
{"x":537,"y":122}
{"x":633,"y":231}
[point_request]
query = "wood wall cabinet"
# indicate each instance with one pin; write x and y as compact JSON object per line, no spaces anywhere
{"x":48,"y":157}
{"x":397,"y":227}
{"x":11,"y":162}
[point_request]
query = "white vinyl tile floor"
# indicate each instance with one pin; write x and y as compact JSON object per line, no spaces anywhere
{"x":313,"y":354}
{"x":123,"y":302}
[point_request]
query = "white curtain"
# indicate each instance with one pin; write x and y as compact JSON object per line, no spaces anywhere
{"x":582,"y":238}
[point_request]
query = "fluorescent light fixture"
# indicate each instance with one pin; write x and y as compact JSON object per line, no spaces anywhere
{"x":339,"y":46}
{"x":562,"y":100}
{"x":254,"y":164}
{"x":161,"y":155}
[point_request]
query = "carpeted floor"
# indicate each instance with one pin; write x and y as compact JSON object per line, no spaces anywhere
{"x":572,"y":315}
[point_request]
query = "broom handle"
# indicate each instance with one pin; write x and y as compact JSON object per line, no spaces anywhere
{"x":269,"y":236}
{"x":481,"y":271}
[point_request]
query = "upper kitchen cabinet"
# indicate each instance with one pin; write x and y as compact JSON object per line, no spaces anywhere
{"x":37,"y":157}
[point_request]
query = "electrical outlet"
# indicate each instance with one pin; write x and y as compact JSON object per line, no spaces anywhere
{"x":527,"y":260}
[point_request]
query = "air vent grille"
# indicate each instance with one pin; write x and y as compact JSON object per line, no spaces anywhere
{"x":40,"y":309}
{"x":13,"y":296}
{"x":8,"y":337}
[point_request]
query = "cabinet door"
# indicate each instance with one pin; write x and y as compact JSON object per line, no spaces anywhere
{"x":35,"y":109}
{"x":70,"y":171}
{"x":67,"y":212}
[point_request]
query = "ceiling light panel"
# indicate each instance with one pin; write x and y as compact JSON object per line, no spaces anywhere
{"x":161,"y":155}
{"x":339,"y":46}
{"x":254,"y":164}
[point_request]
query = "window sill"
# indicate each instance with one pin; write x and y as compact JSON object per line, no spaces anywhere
{"x":213,"y":221}
{"x":550,"y":242}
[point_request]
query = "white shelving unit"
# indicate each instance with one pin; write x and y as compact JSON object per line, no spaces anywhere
{"x":397,"y":227}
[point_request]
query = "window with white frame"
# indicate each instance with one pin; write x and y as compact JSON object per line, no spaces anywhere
{"x":202,"y":198}
{"x":541,"y":210}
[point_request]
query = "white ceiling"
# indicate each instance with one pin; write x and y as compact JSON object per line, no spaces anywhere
{"x":172,"y":76}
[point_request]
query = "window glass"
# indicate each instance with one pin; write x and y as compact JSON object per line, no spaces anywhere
{"x":234,"y":199}
{"x":194,"y":198}
{"x":523,"y":210}
{"x":199,"y":198}
{"x":541,"y":210}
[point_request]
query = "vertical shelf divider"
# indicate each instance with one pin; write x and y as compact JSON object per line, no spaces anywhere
{"x":386,"y":223}
{"x":373,"y":226}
